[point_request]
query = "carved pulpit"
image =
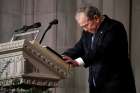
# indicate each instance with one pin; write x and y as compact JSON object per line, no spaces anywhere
{"x":25,"y":64}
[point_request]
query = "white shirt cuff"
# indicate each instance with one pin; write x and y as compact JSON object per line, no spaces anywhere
{"x":80,"y":61}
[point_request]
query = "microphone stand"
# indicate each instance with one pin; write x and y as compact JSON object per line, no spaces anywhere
{"x":50,"y":25}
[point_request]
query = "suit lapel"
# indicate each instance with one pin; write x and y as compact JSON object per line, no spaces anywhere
{"x":100,"y":33}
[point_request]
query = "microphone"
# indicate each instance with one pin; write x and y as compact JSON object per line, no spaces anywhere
{"x":35,"y":25}
{"x":54,"y":22}
{"x":21,"y":29}
{"x":25,"y":28}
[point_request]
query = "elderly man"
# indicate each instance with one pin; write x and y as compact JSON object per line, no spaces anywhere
{"x":103,"y":47}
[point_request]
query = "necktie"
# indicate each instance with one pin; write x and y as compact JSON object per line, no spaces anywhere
{"x":91,"y":67}
{"x":92,"y":40}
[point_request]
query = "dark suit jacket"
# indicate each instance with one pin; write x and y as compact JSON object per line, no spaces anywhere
{"x":108,"y":60}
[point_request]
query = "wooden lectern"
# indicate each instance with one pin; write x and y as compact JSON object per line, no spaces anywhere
{"x":25,"y":64}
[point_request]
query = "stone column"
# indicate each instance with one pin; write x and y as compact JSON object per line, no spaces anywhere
{"x":135,"y":42}
{"x":66,"y":37}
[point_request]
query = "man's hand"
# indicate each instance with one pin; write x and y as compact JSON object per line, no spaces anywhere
{"x":70,"y":61}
